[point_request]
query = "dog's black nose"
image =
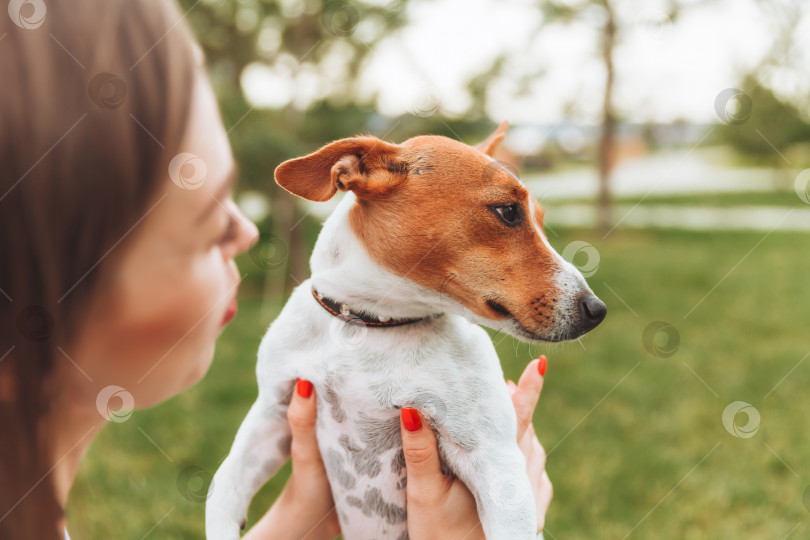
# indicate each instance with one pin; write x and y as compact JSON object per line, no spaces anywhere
{"x":593,"y":312}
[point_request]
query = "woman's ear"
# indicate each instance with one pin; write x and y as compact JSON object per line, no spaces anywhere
{"x":365,"y":165}
{"x":493,"y":141}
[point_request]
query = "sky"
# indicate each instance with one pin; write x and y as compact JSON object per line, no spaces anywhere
{"x":665,"y":70}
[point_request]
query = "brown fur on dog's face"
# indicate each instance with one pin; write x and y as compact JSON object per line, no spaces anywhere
{"x":428,"y":210}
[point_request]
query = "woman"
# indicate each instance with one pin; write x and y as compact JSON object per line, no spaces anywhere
{"x":118,"y":240}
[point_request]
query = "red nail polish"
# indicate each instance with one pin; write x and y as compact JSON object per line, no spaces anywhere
{"x":411,"y":419}
{"x":304,"y":388}
{"x":541,"y":365}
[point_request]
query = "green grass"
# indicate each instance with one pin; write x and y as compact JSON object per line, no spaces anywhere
{"x":635,"y":441}
{"x":721,"y":200}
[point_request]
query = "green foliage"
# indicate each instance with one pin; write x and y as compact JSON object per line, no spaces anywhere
{"x":625,"y":430}
{"x":235,"y":35}
{"x":773,"y":123}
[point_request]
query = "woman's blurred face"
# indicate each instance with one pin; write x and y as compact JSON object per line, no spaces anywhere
{"x":152,"y":327}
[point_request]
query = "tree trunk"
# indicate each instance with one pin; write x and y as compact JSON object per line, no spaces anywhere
{"x":607,"y":144}
{"x":297,"y":268}
{"x":297,"y":249}
{"x":286,"y":270}
{"x":275,"y":271}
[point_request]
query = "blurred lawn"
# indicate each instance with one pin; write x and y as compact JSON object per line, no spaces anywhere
{"x":635,"y":441}
{"x":720,"y":200}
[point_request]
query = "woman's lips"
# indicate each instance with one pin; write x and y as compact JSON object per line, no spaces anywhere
{"x":230,"y":313}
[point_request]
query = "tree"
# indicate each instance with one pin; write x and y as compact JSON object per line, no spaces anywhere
{"x":305,"y":37}
{"x":761,"y":125}
{"x":611,"y":32}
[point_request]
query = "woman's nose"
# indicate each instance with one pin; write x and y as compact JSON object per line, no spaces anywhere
{"x":248,"y":233}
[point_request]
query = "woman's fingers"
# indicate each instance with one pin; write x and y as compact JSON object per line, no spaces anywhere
{"x":536,"y":470}
{"x":525,"y":396}
{"x":301,"y":415}
{"x":426,"y":485}
{"x":527,"y":441}
{"x":427,"y":488}
{"x":310,"y":494}
{"x":536,"y":463}
{"x":543,"y":499}
{"x":438,"y":507}
{"x":305,"y":509}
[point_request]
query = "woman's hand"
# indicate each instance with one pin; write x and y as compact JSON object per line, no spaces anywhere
{"x":438,"y":507}
{"x":441,"y":507}
{"x":524,"y":397}
{"x":305,"y":509}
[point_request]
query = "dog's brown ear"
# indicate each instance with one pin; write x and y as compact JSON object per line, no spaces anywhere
{"x":493,"y":141}
{"x":365,"y":165}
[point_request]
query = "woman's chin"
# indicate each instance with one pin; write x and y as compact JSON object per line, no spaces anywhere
{"x":182,"y":382}
{"x":200,"y":369}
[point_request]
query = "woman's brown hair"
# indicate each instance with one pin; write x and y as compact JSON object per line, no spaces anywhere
{"x":93,"y":106}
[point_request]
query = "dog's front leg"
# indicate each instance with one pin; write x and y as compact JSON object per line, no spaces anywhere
{"x":496,"y":476}
{"x":261,"y":447}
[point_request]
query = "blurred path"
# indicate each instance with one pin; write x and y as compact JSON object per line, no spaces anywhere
{"x":741,"y":218}
{"x":684,"y":173}
{"x":670,"y":173}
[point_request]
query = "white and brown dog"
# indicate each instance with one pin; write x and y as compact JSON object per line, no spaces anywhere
{"x":433,"y":238}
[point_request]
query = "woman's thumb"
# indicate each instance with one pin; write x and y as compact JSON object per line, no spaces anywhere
{"x":425,"y":483}
{"x":301,"y":417}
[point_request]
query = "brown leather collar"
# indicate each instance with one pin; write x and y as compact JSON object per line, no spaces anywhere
{"x":342,"y":311}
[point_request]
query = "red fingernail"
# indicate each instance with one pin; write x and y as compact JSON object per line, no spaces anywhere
{"x":304,"y":388}
{"x":541,"y":365}
{"x":411,"y":419}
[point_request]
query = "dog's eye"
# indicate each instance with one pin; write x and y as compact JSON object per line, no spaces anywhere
{"x":509,"y":214}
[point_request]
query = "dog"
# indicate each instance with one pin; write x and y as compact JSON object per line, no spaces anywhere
{"x":431,"y":239}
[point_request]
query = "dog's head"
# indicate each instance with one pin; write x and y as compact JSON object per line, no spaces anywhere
{"x":452,"y":219}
